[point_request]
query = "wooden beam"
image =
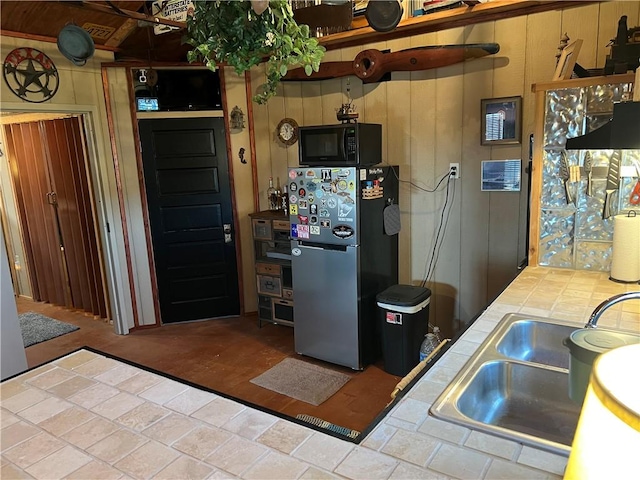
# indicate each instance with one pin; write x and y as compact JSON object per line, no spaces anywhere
{"x":44,"y":38}
{"x":127,"y":13}
{"x":122,"y":33}
{"x":583,"y":82}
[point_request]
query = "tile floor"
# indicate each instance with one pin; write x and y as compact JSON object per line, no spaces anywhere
{"x":86,"y":416}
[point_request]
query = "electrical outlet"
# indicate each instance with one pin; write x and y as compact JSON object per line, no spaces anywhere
{"x":454,"y":170}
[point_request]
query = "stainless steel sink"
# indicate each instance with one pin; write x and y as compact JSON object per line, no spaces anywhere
{"x":535,"y":341}
{"x":523,"y":398}
{"x":516,"y":385}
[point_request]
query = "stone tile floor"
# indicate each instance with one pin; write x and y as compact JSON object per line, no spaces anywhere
{"x":86,"y":416}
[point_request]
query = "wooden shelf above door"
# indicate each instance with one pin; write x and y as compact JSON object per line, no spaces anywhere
{"x":442,"y":20}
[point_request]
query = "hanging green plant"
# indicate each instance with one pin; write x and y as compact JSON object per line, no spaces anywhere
{"x":231,"y":32}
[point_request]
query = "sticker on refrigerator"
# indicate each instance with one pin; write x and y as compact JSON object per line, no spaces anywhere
{"x":313,"y":209}
{"x":332,"y":203}
{"x":293,"y":186}
{"x":395,"y":318}
{"x":363,"y":175}
{"x":342,"y":185}
{"x":319,"y":193}
{"x":342,"y":231}
{"x":302,"y":204}
{"x":314,"y":229}
{"x":324,"y":212}
{"x":294,"y":230}
{"x":325,"y":223}
{"x":346,"y":197}
{"x":293,"y":199}
{"x":303,"y":219}
{"x":313,"y":219}
{"x":310,"y":174}
{"x":326,"y":174}
{"x":344,"y":173}
{"x":311,"y":199}
{"x":311,"y":186}
{"x":302,"y":192}
{"x":292,"y":174}
{"x":303,"y":231}
{"x":344,"y":210}
{"x":293,"y":209}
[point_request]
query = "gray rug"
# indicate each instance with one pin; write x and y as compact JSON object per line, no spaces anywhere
{"x":302,"y":381}
{"x":38,"y":328}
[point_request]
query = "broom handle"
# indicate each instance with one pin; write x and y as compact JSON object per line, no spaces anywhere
{"x":417,"y":369}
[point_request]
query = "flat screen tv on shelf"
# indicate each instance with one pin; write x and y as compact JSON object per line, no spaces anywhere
{"x":184,"y":90}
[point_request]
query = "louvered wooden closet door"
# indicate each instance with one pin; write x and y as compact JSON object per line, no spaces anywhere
{"x":70,"y":181}
{"x":52,"y":183}
{"x":27,"y":159}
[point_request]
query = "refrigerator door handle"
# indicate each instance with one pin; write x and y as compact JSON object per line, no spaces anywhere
{"x":309,"y":246}
{"x":298,"y":243}
{"x":324,"y":246}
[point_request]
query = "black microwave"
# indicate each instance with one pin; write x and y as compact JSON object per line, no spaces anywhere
{"x":340,"y":145}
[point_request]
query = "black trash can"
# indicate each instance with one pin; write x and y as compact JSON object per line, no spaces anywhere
{"x":404,"y":312}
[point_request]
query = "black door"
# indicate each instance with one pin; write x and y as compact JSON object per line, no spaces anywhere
{"x":189,"y":199}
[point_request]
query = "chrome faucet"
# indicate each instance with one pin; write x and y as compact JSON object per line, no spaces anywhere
{"x":599,"y":310}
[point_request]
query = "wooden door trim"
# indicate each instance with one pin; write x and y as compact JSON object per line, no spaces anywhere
{"x":120,"y":193}
{"x":232,"y":190}
{"x":252,"y":142}
{"x":143,"y":198}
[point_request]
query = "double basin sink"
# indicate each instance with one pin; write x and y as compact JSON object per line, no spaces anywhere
{"x":516,"y":385}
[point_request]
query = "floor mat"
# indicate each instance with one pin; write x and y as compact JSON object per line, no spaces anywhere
{"x":301,"y":380}
{"x":37,"y":328}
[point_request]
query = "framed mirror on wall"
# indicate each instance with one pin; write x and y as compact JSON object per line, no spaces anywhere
{"x":501,"y":120}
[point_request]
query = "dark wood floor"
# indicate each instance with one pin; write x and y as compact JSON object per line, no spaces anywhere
{"x":222,"y":355}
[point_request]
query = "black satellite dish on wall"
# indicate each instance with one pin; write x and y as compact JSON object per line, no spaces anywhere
{"x":383,"y":15}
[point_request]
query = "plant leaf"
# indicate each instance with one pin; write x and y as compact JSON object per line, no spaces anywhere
{"x":230,"y":32}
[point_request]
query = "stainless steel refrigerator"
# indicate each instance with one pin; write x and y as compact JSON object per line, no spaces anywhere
{"x":341,"y":259}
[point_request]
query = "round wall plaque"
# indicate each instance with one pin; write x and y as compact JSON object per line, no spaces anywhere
{"x":30,"y":74}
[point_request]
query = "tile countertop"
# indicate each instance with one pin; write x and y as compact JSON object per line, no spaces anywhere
{"x":88,"y":416}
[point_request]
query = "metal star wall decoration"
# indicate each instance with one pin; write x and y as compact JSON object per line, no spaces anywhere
{"x":30,"y":74}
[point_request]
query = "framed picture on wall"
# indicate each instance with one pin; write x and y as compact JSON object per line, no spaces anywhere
{"x":501,"y":175}
{"x":567,"y":60}
{"x":501,"y":120}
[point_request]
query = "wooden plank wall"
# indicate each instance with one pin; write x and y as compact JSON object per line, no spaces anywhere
{"x":432,"y":118}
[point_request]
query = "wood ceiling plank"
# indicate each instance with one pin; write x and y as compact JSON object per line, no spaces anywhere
{"x":122,"y":33}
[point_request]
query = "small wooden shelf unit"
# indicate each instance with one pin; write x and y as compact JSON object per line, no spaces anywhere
{"x":270,"y":231}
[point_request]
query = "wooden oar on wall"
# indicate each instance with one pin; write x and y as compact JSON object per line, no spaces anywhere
{"x":370,"y":65}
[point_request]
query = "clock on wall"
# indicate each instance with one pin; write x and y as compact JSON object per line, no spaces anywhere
{"x":287,"y":131}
